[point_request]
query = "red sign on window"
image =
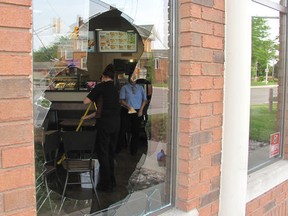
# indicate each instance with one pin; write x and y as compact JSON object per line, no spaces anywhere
{"x":274,"y":144}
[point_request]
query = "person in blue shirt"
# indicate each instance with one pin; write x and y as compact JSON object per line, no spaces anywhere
{"x":132,"y":99}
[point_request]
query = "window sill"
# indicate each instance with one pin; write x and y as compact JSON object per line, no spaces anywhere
{"x":265,"y":179}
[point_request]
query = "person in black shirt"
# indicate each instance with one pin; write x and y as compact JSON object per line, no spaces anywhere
{"x":107,"y":127}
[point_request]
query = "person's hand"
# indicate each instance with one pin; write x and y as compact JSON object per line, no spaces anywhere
{"x":140,"y":113}
{"x":83,"y":117}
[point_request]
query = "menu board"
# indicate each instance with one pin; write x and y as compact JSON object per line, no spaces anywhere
{"x":117,"y":41}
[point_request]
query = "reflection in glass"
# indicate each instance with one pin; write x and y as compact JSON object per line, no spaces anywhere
{"x":266,"y":88}
{"x":73,"y":41}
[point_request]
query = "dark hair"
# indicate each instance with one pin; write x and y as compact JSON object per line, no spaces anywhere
{"x":109,"y":71}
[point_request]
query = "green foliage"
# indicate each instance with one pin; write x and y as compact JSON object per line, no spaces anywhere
{"x":262,"y":122}
{"x":157,"y":127}
{"x":45,"y":54}
{"x":151,"y":69}
{"x":264,"y":49}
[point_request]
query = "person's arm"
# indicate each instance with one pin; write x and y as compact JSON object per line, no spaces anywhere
{"x":144,"y":101}
{"x":140,"y":112}
{"x":92,"y":115}
{"x":125,"y":104}
{"x":87,"y":100}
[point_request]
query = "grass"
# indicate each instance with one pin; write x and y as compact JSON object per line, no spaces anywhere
{"x":262,"y":122}
{"x":163,"y":85}
{"x":253,"y":83}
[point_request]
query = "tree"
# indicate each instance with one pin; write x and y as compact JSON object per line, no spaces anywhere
{"x":45,"y":54}
{"x":264,"y":49}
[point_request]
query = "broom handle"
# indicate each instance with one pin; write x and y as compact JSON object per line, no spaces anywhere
{"x":81,"y":121}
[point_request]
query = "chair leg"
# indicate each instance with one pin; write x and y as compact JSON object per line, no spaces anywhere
{"x":62,"y":202}
{"x":63,"y":193}
{"x":94,"y":188}
{"x":48,"y":192}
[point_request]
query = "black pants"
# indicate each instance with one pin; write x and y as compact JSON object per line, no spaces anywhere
{"x":130,"y":124}
{"x":107,"y":136}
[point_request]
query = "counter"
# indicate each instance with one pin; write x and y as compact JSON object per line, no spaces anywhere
{"x":66,"y":96}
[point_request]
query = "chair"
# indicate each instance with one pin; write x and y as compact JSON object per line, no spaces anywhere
{"x":50,"y":145}
{"x":78,"y":148}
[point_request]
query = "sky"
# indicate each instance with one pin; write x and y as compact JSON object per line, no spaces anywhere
{"x":143,"y":12}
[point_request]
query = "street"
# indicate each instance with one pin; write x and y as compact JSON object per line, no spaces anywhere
{"x":260,"y":94}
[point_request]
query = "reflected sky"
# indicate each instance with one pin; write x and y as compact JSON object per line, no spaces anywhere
{"x":45,"y":11}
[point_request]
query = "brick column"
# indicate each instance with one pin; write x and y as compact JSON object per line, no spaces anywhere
{"x":201,"y":105}
{"x":17,"y":190}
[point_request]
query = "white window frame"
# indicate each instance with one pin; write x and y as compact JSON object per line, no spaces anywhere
{"x":237,"y":187}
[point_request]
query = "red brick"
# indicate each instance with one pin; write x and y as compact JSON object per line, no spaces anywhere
{"x":191,"y":39}
{"x":219,"y":4}
{"x":217,"y":108}
{"x":213,"y":15}
{"x":185,"y":25}
{"x":210,"y":148}
{"x":1,"y":204}
{"x":189,"y":153}
{"x":12,"y":110}
{"x":213,"y":42}
{"x":187,"y":205}
{"x":218,"y":83}
{"x":16,"y":88}
{"x":10,"y":68}
{"x":16,"y":178}
{"x":209,"y":173}
{"x":16,"y":41}
{"x":211,"y":122}
{"x":201,"y":26}
{"x":195,"y":111}
{"x":219,"y":30}
{"x":189,"y":125}
{"x":196,"y":54}
{"x":205,"y":210}
{"x":209,"y":96}
{"x":10,"y":14}
{"x":189,"y":68}
{"x":196,"y":25}
{"x":215,"y":207}
{"x":189,"y":193}
{"x":199,"y":164}
{"x":184,"y":139}
{"x":10,"y":156}
{"x":265,"y":198}
{"x":188,"y":180}
{"x":189,"y":97}
{"x":8,"y":134}
{"x":200,"y":190}
{"x":196,"y":83}
{"x":18,"y":2}
{"x":184,"y":166}
{"x":190,"y":10}
{"x":23,"y":212}
{"x":19,"y":199}
{"x":252,"y":206}
{"x":212,"y":69}
{"x":217,"y":134}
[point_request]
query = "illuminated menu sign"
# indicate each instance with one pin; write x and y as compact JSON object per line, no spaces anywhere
{"x":117,"y":41}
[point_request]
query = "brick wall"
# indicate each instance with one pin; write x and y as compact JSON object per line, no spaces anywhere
{"x":201,"y":105}
{"x":274,"y":202}
{"x":17,"y":192}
